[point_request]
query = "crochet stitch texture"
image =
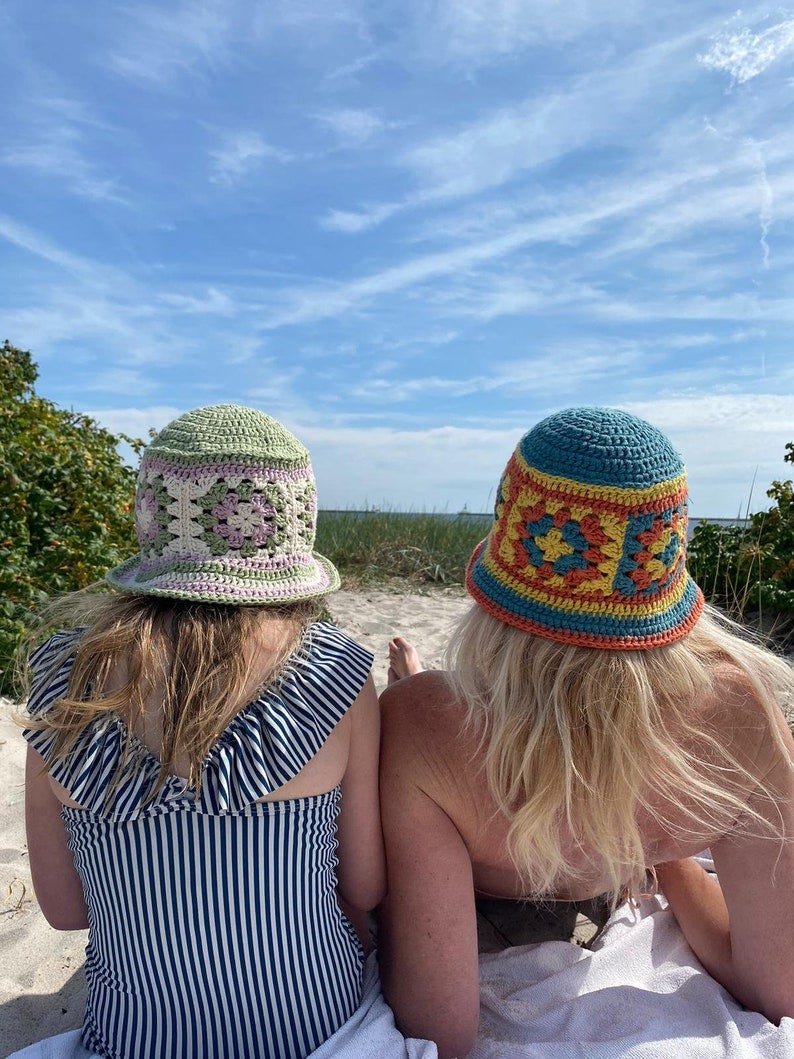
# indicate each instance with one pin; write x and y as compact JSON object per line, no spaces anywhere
{"x":588,"y":544}
{"x":226,"y":512}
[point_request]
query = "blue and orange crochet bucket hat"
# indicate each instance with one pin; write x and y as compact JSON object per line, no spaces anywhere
{"x":588,"y":543}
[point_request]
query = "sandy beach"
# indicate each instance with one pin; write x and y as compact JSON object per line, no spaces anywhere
{"x":41,"y":978}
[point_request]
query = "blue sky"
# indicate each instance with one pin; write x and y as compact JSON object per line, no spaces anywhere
{"x":409,"y":230}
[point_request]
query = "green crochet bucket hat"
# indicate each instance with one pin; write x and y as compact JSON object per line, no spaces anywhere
{"x":225,"y":512}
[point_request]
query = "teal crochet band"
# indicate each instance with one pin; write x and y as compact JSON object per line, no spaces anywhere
{"x":596,"y":630}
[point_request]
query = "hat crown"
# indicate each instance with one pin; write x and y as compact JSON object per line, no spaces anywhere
{"x":601,"y":446}
{"x":230,"y":433}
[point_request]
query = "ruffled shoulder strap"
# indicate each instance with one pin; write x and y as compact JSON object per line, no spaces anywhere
{"x":88,"y":768}
{"x":50,"y":665}
{"x":270,"y":741}
{"x":107,"y":771}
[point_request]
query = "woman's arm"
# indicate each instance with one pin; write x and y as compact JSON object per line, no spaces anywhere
{"x":428,"y":923}
{"x":362,"y":866}
{"x":56,"y":883}
{"x":742,"y":927}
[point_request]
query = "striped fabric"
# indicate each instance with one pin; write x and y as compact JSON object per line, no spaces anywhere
{"x":214,"y":928}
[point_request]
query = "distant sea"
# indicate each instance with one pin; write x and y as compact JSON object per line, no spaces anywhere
{"x":485,"y":518}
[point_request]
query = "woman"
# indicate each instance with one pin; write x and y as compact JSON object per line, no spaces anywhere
{"x":202,"y":767}
{"x":597,"y":721}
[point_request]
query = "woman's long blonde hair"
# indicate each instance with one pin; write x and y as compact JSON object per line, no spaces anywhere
{"x":575,"y":738}
{"x":196,"y":656}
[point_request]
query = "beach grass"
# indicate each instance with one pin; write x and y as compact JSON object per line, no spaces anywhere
{"x":372,"y":547}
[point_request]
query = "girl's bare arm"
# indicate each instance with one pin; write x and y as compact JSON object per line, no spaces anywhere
{"x":55,"y":881}
{"x":362,"y":865}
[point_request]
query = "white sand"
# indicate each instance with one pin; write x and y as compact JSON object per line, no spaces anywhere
{"x":41,"y":978}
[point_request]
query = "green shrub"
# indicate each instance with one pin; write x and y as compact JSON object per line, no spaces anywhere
{"x":67,"y":499}
{"x":749,"y":569}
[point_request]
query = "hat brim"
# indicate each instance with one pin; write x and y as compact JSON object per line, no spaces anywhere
{"x":215,"y":581}
{"x":615,"y":633}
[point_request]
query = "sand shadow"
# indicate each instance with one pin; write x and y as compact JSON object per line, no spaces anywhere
{"x":32,"y":1017}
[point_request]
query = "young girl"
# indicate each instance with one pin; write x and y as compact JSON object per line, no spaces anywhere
{"x":202,"y":768}
{"x":597,"y":721}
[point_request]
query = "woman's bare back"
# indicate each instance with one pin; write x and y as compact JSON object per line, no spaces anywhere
{"x":445,"y":840}
{"x":444,"y":758}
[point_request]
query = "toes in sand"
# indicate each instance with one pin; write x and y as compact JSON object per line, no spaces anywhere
{"x":403,"y":660}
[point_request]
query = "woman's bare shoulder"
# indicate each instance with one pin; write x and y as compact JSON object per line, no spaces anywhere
{"x":755,"y":735}
{"x":422,"y":721}
{"x":425,"y":699}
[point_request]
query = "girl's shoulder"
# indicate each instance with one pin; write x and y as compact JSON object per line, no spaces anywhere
{"x":50,"y":665}
{"x":265,"y":745}
{"x":58,"y":644}
{"x":327,"y":645}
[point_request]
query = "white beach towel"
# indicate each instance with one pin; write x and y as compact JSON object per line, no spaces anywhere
{"x":640,"y":995}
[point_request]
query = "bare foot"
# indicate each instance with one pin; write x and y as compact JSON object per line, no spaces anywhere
{"x":403,"y":660}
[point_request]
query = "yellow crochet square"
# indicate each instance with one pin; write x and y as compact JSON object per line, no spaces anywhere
{"x":528,"y":504}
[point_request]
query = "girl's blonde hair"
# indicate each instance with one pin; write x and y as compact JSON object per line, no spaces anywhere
{"x":196,"y":656}
{"x":575,"y":739}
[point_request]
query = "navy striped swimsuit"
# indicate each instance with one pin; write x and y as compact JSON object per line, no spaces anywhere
{"x":214,"y":929}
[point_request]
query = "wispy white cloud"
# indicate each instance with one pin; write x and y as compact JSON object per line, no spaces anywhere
{"x":241,"y":153}
{"x":745,"y":54}
{"x":670,"y":206}
{"x":544,"y":128}
{"x":724,"y":203}
{"x":116,"y":381}
{"x":20,"y":235}
{"x":707,"y":338}
{"x":480,"y":31}
{"x":157,"y":43}
{"x":61,"y":317}
{"x":767,"y":201}
{"x":58,"y":154}
{"x":350,"y":71}
{"x":276,"y":387}
{"x":527,"y":376}
{"x":494,"y":150}
{"x":353,"y":221}
{"x":352,"y":126}
{"x":595,"y":371}
{"x":739,"y":308}
{"x":60,"y":139}
{"x":212,"y":301}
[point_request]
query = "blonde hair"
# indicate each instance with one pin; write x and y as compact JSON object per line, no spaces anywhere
{"x":194,"y":654}
{"x":575,"y":739}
